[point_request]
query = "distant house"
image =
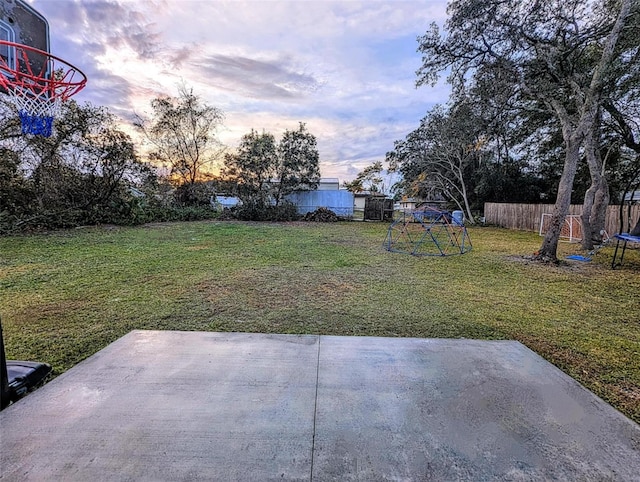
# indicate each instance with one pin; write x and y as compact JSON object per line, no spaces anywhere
{"x":224,"y":201}
{"x":338,"y":201}
{"x":409,"y":203}
{"x":327,"y":195}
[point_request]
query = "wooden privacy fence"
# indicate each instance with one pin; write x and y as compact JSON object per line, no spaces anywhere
{"x":526,"y":217}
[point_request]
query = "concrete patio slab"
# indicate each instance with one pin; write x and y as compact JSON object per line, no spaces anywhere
{"x":230,"y":406}
{"x":416,"y":409}
{"x":171,"y":406}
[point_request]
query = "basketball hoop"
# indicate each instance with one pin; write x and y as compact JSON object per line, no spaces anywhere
{"x":37,"y":83}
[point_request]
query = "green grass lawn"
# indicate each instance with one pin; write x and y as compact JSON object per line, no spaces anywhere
{"x":66,"y":295}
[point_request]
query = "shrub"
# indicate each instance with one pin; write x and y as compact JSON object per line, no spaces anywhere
{"x":176,"y":213}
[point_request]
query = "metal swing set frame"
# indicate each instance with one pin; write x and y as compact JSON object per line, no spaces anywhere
{"x":428,"y":232}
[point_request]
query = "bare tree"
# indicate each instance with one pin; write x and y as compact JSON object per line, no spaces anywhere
{"x":438,"y":157}
{"x":183,"y":132}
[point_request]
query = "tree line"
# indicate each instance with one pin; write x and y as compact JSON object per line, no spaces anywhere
{"x":545,"y":106}
{"x":90,"y":171}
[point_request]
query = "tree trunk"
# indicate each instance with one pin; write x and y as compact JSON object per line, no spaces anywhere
{"x":466,"y":204}
{"x":549,"y":248}
{"x":594,"y":209}
{"x":573,"y":135}
{"x":599,"y":211}
{"x":596,"y":199}
{"x":587,"y":207}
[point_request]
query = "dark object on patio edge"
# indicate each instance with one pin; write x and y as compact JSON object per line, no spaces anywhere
{"x":19,"y":377}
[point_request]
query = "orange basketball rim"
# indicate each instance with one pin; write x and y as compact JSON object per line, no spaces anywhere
{"x":38,"y":83}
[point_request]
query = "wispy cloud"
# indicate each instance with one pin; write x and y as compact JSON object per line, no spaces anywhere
{"x":346,"y":68}
{"x":255,"y":78}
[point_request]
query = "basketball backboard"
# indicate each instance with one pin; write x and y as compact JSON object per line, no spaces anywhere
{"x":22,"y":24}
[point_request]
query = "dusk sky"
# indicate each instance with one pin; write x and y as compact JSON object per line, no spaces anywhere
{"x":346,"y":69}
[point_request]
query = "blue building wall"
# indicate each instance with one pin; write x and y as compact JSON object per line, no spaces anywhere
{"x":340,"y":202}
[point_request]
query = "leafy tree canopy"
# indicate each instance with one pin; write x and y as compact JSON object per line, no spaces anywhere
{"x":368,"y":180}
{"x":265,"y":171}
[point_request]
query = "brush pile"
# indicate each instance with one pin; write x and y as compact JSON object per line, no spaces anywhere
{"x":321,"y":215}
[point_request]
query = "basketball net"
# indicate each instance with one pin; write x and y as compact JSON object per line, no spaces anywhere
{"x":36,"y":113}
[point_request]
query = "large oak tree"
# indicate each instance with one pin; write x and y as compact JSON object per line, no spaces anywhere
{"x":544,"y":47}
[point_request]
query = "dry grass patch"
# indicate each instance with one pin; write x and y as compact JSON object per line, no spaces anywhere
{"x":288,"y":297}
